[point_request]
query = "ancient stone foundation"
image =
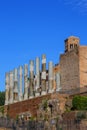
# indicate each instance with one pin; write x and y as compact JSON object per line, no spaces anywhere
{"x":31,"y":106}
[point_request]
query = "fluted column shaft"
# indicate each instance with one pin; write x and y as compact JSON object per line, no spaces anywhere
{"x":43,"y":75}
{"x":50,"y":77}
{"x":25,"y":82}
{"x":20,"y":83}
{"x":15,"y":85}
{"x":11,"y":86}
{"x":7,"y":88}
{"x":37,"y":76}
{"x":31,"y":85}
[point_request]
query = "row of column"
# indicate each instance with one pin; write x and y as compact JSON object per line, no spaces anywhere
{"x":40,"y":83}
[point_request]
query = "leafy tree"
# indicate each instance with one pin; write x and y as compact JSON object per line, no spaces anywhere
{"x":80,"y":102}
{"x":2,"y":98}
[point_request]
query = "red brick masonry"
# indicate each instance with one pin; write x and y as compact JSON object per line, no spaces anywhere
{"x":30,"y":105}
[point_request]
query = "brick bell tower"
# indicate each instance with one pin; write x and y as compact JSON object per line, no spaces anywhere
{"x":71,"y":43}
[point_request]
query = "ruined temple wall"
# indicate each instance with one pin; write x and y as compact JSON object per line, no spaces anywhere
{"x":83,"y":65}
{"x":69,"y":69}
{"x":30,"y":105}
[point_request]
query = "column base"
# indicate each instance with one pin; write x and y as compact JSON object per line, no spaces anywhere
{"x":43,"y":93}
{"x":51,"y":91}
{"x":20,"y":97}
{"x":6,"y":102}
{"x":57,"y":90}
{"x":11,"y":102}
{"x":31,"y":97}
{"x":37,"y":94}
{"x":15,"y":101}
{"x":25,"y":97}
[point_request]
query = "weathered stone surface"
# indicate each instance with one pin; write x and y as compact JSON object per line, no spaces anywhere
{"x":73,"y":65}
{"x":83,"y":125}
{"x":83,"y":66}
{"x":69,"y":69}
{"x":30,"y":105}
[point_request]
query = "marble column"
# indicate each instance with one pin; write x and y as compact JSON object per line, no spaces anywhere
{"x":43,"y":75}
{"x":20,"y":83}
{"x":37,"y":76}
{"x":15,"y":85}
{"x":50,"y":77}
{"x":58,"y":85}
{"x":11,"y":86}
{"x":31,"y":85}
{"x":25,"y":81}
{"x":7,"y":88}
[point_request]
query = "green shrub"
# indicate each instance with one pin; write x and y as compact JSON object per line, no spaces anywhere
{"x":2,"y":98}
{"x":79,"y":102}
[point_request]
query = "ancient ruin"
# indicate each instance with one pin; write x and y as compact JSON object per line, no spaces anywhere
{"x":28,"y":84}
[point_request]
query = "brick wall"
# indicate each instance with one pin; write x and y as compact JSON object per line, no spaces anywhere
{"x":83,"y":65}
{"x":69,"y":69}
{"x":30,"y":105}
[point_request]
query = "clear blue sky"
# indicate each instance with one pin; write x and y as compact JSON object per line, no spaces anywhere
{"x":29,"y":28}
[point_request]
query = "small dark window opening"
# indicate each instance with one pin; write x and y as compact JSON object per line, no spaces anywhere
{"x":71,"y":46}
{"x":75,"y":46}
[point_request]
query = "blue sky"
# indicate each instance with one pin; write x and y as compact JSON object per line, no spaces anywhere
{"x":29,"y":28}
